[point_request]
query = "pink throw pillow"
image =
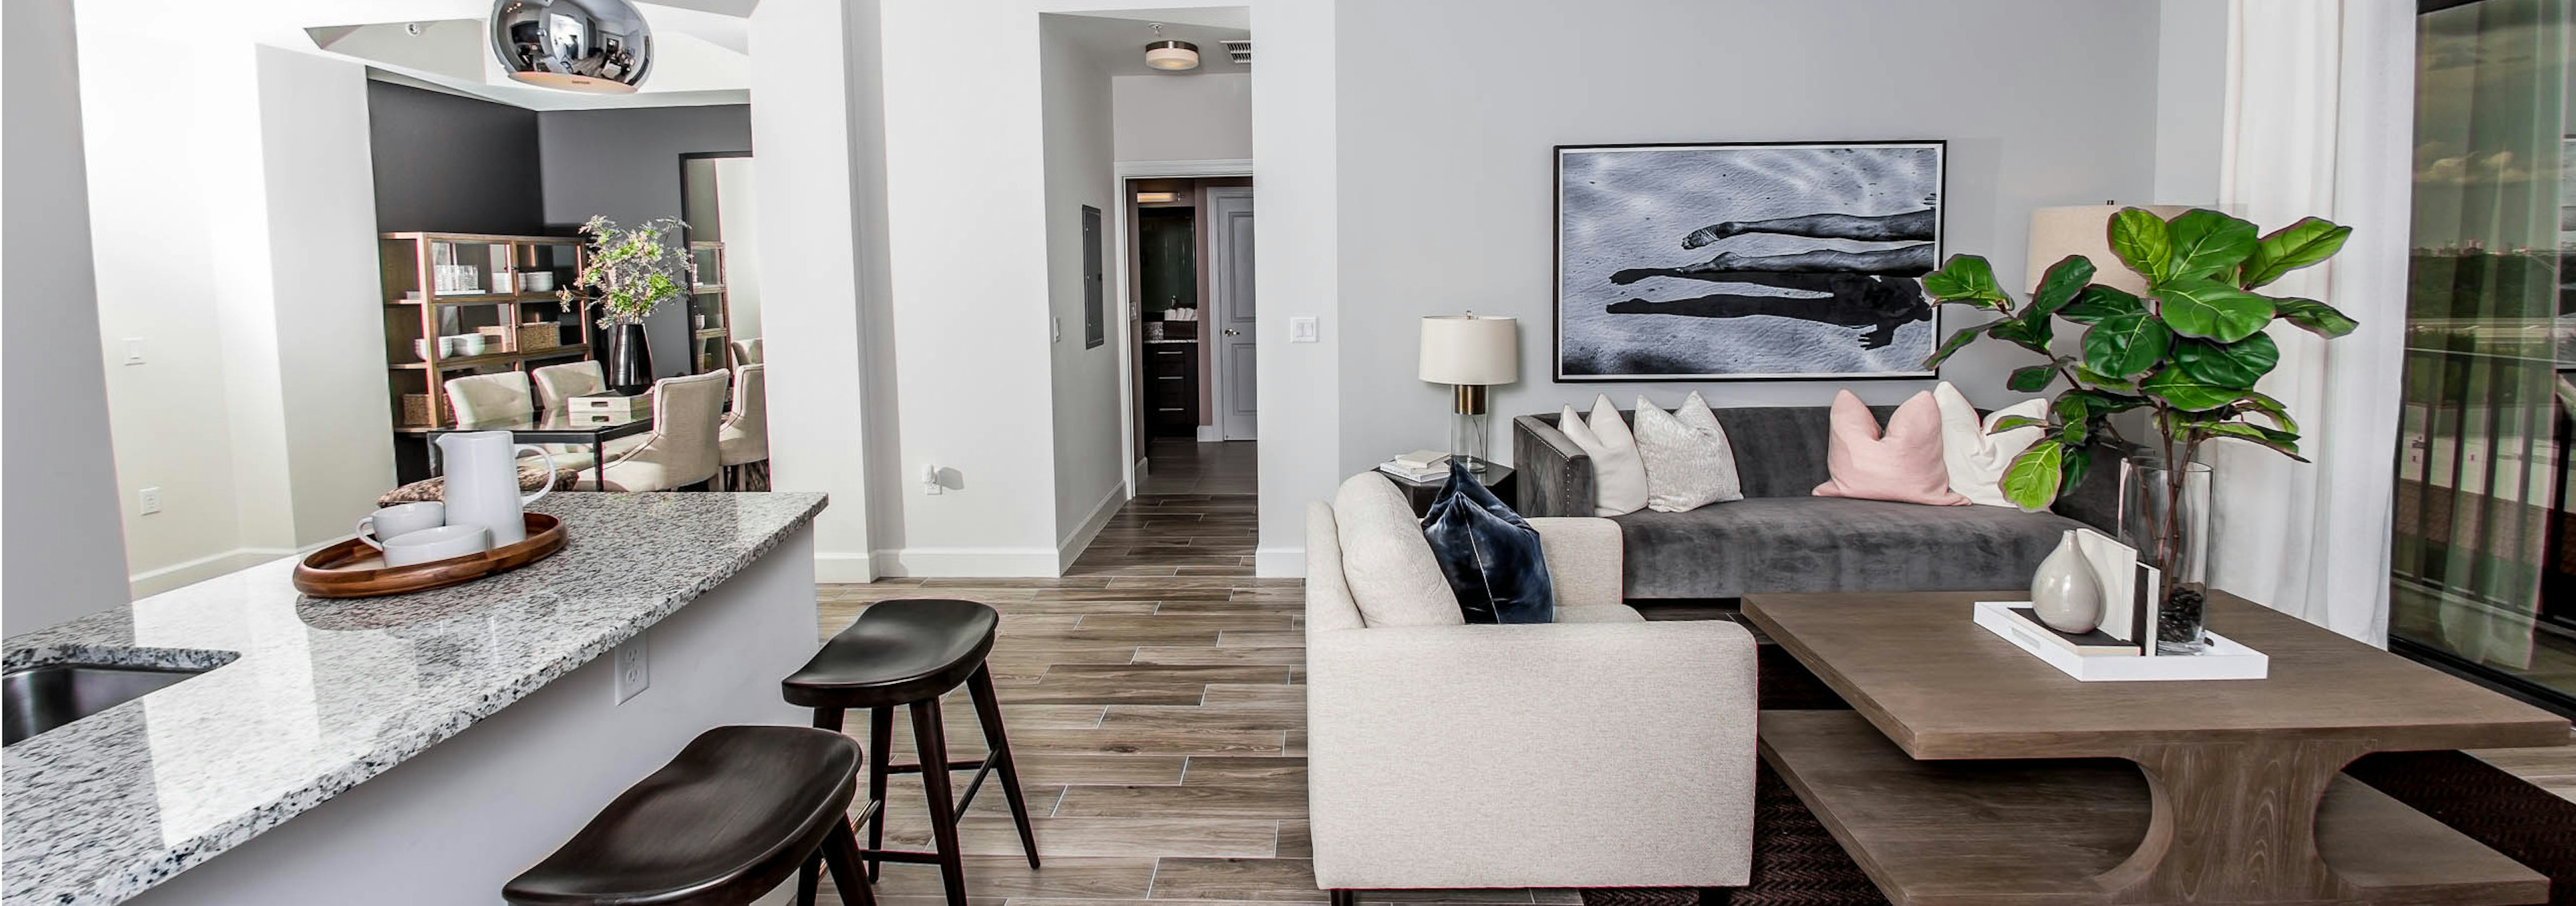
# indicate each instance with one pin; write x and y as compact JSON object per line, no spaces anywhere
{"x":1904,"y":465}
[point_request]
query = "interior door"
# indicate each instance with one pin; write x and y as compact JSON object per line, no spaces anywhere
{"x":1230,"y":283}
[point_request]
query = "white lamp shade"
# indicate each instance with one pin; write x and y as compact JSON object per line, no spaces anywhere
{"x":2084,"y":230}
{"x":1471,"y":350}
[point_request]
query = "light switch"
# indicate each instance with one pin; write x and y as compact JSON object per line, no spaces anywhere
{"x":1301,"y":329}
{"x":134,"y":350}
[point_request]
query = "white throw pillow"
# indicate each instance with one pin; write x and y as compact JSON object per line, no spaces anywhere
{"x":1689,"y":463}
{"x":1976,"y":459}
{"x":1618,"y":473}
{"x":1392,"y":575}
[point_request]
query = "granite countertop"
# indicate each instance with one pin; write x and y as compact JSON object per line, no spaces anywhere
{"x":315,"y":696}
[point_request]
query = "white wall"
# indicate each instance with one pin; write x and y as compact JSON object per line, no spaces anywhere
{"x":58,"y":520}
{"x":1296,"y":177}
{"x":1183,"y":117}
{"x":242,"y":205}
{"x":1446,"y":165}
{"x":2191,"y":99}
{"x":1090,"y":479}
{"x":819,"y":187}
{"x":738,"y":216}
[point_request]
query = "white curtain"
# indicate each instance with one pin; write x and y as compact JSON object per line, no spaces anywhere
{"x":2320,"y":121}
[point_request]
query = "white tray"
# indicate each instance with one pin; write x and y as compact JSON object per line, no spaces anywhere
{"x":2225,"y":659}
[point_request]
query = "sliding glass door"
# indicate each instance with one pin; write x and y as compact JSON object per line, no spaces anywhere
{"x":2485,"y":559}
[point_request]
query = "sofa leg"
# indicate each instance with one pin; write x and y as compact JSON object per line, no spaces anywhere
{"x":1716,"y":896}
{"x":1345,"y":897}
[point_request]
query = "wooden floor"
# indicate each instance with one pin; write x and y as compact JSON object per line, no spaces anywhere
{"x":1155,"y":698}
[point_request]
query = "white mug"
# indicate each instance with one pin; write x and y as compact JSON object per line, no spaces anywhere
{"x":401,"y":519}
{"x":441,"y":543}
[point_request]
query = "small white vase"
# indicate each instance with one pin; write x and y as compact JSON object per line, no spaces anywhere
{"x":2065,"y":593}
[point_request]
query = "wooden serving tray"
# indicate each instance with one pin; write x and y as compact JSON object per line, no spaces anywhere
{"x":351,"y":569}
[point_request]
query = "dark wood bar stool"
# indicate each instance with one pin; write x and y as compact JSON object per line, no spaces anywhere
{"x":737,"y":813}
{"x":907,"y":653}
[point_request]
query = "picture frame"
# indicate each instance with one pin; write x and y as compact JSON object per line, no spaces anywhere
{"x":1719,"y":261}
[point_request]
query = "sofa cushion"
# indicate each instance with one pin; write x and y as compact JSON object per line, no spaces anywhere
{"x":1392,"y":575}
{"x":1975,"y":454}
{"x":1903,"y":464}
{"x":1618,"y":467}
{"x":1492,"y":558}
{"x":1794,"y":544}
{"x":1599,"y":613}
{"x":1688,"y":462}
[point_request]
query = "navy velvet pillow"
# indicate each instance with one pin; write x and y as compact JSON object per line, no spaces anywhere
{"x":1490,"y":555}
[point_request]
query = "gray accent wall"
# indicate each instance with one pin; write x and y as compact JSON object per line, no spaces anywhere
{"x":1446,"y":168}
{"x":452,"y":164}
{"x":625,"y":163}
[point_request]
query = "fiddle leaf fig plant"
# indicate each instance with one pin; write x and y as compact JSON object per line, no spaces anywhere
{"x":629,"y":272}
{"x":2190,"y":350}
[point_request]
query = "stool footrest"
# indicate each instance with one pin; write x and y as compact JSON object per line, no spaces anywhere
{"x":952,"y":765}
{"x":983,"y":769}
{"x":912,"y":856}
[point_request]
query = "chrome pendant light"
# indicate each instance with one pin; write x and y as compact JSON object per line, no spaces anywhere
{"x":1173,"y":56}
{"x":592,"y":46}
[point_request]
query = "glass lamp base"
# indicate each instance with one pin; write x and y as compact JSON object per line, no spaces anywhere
{"x":1467,"y":440}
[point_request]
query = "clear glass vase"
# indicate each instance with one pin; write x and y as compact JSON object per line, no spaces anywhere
{"x":2164,"y":513}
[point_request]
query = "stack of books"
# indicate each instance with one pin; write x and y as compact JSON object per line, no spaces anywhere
{"x":2122,"y":647}
{"x":1418,"y":466}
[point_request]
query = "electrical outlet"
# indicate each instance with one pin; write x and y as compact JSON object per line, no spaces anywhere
{"x":1055,"y":329}
{"x":930,"y":483}
{"x":147,"y":501}
{"x":633,"y":672}
{"x":134,"y":350}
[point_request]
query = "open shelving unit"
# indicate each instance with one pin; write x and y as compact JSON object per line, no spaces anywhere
{"x":472,"y":285}
{"x":710,"y":312}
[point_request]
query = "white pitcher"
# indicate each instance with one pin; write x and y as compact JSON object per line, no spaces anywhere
{"x":483,"y":482}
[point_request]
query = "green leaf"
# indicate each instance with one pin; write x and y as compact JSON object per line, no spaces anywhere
{"x":2207,"y":243}
{"x":2010,"y":422}
{"x":2201,"y":307}
{"x":2237,"y":364}
{"x":2143,"y":242}
{"x":2031,"y":331}
{"x":2101,"y":403}
{"x":2075,"y":412}
{"x":2107,"y":382}
{"x":2316,"y":317}
{"x":2286,"y":443}
{"x":2289,"y":248}
{"x":1956,"y":342}
{"x":2072,"y":471}
{"x":2097,"y":302}
{"x":2033,"y":478}
{"x":2030,"y":379}
{"x":2257,"y":402}
{"x":1966,"y":277}
{"x":2060,"y":284}
{"x":2125,"y":346}
{"x":2187,"y":394}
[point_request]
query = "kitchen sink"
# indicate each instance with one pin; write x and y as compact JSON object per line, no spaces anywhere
{"x":38,"y":699}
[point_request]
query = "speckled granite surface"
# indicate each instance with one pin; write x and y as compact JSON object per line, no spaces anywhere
{"x":313,"y":697}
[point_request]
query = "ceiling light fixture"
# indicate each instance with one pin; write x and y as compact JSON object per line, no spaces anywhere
{"x":590,"y":46}
{"x":1170,"y":56}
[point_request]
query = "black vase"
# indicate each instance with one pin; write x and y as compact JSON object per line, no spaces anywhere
{"x":630,"y":361}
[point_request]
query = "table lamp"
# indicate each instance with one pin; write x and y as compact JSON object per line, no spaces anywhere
{"x":1470,"y":353}
{"x":2084,"y":230}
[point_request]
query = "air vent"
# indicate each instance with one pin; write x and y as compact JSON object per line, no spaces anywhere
{"x":1240,"y":49}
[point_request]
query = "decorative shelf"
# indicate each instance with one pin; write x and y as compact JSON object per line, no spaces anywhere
{"x":411,"y":263}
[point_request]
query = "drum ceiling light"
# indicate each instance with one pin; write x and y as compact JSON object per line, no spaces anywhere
{"x":1169,"y":55}
{"x":590,"y":46}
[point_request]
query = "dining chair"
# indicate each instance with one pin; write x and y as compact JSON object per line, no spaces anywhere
{"x":742,"y":445}
{"x":484,"y":398}
{"x":558,"y":383}
{"x":688,"y":413}
{"x":747,"y":352}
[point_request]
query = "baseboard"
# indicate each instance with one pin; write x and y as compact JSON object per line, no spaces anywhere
{"x":1071,"y":548}
{"x":1279,"y":562}
{"x":1208,"y":435}
{"x":834,"y":568}
{"x":968,"y":562}
{"x":177,"y":575}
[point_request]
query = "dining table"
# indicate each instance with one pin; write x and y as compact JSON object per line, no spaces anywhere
{"x":556,"y":426}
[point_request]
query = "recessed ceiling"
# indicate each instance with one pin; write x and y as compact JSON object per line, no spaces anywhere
{"x":1115,"y":40}
{"x":699,"y":57}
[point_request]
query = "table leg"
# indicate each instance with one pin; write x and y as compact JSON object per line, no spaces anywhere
{"x":2234,"y":822}
{"x":598,"y":463}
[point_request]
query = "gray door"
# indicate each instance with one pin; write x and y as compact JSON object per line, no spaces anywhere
{"x":1230,"y":285}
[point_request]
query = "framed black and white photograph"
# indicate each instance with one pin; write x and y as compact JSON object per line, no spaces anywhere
{"x":1746,"y":261}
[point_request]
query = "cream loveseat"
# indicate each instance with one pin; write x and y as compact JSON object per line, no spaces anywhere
{"x":1598,"y":751}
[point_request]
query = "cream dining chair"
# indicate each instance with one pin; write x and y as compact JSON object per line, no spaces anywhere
{"x":743,"y":444}
{"x":681,"y":451}
{"x":557,"y":384}
{"x":747,"y":352}
{"x":487,"y":398}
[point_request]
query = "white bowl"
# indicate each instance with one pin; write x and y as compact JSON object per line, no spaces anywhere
{"x":441,"y":543}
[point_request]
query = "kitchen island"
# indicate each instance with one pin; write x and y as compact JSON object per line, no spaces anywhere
{"x":419,"y":748}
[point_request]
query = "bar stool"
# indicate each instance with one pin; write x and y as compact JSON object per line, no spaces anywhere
{"x":908,"y":653}
{"x":736,"y":813}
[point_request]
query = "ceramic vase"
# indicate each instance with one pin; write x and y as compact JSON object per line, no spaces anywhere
{"x":630,"y":361}
{"x":2065,"y":593}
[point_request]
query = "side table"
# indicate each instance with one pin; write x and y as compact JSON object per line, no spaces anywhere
{"x":1496,"y":477}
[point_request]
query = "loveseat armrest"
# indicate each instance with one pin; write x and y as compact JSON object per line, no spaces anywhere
{"x":1586,"y":559}
{"x":1555,"y":475}
{"x":1546,"y":755}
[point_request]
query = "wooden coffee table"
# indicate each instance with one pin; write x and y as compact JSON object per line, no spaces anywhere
{"x":1971,"y":773}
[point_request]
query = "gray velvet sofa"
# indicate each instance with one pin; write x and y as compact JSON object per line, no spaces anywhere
{"x":1782,"y":538}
